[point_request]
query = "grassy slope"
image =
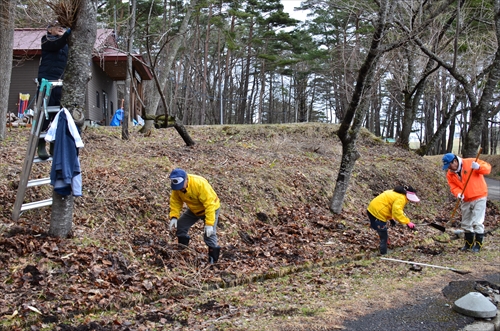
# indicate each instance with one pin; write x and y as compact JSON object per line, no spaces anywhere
{"x":122,"y":264}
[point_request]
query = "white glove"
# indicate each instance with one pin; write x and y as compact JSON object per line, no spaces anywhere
{"x":460,"y":196}
{"x":475,"y":165}
{"x":209,"y":230}
{"x":173,"y":223}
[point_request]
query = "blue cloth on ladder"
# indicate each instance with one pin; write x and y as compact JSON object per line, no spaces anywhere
{"x":65,"y":174}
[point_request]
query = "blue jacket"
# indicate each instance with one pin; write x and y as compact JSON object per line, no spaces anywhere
{"x":54,"y":56}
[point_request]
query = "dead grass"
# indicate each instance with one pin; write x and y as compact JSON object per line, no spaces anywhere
{"x":275,"y":182}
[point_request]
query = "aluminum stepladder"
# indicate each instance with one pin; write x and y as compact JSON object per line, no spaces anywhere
{"x":41,"y":109}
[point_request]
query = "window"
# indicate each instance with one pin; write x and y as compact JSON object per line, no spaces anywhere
{"x":112,"y":110}
{"x":97,"y":99}
{"x":104,"y":104}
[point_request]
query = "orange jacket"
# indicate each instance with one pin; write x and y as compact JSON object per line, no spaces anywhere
{"x":476,"y":188}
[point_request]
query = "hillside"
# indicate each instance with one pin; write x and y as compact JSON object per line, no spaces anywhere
{"x":122,"y":269}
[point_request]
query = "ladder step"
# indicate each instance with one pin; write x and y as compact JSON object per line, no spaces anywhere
{"x":39,"y":160}
{"x":38,"y":182}
{"x":31,"y":158}
{"x":53,"y":109}
{"x":36,"y":204}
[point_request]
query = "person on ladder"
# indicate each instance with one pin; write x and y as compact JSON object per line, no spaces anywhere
{"x":52,"y":65}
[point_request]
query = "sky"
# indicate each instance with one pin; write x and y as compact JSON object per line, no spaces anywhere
{"x":289,"y":5}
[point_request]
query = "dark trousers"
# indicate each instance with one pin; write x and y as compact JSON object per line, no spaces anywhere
{"x":381,"y":228}
{"x":54,"y":100}
{"x":188,"y":219}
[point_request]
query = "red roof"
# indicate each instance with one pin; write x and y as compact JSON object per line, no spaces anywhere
{"x":28,"y":42}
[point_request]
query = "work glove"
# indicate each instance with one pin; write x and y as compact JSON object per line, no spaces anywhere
{"x":475,"y":165}
{"x":173,"y":223}
{"x":460,"y":196}
{"x":209,"y":230}
{"x":411,"y":225}
{"x":393,"y":222}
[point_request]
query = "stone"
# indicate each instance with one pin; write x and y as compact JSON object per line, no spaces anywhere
{"x":479,"y":326}
{"x":476,"y":305}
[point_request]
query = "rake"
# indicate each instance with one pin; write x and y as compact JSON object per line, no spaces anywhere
{"x":462,"y":272}
{"x":442,"y":228}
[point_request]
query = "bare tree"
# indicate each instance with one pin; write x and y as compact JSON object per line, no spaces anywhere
{"x":481,"y":106}
{"x":355,"y":114}
{"x":77,"y":75}
{"x":160,"y":76}
{"x":166,"y":58}
{"x":129,"y":75}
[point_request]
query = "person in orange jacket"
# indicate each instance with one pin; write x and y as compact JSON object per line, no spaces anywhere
{"x":459,"y":172}
{"x":202,"y":204}
{"x":388,"y":206}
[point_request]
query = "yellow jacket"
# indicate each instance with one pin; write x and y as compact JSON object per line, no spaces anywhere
{"x":389,"y":205}
{"x":200,"y":198}
{"x":476,"y":188}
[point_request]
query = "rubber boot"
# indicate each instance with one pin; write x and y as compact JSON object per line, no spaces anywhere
{"x":469,"y":241}
{"x":213,"y":254}
{"x":42,"y":152}
{"x":478,"y":243}
{"x":384,"y":237}
{"x":183,"y":241}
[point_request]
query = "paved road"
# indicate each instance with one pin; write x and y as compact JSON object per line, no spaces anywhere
{"x":427,"y":313}
{"x":493,"y":189}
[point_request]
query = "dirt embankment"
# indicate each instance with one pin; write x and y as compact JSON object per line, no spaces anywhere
{"x":122,"y":269}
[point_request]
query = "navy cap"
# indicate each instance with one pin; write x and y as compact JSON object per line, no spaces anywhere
{"x":447,"y":159}
{"x":177,"y":178}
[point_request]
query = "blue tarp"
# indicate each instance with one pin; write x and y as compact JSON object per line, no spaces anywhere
{"x":117,"y":118}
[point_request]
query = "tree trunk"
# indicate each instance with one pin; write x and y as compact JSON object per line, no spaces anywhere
{"x":479,"y":109}
{"x":61,"y":220}
{"x":77,"y":75}
{"x":163,"y":121}
{"x":479,"y":113}
{"x":205,"y":67}
{"x":349,"y":157}
{"x":485,"y":142}
{"x":451,"y":136}
{"x":7,"y":15}
{"x":494,"y":136}
{"x":181,"y":129}
{"x":129,"y":78}
{"x":448,"y":117}
{"x":356,"y":112}
{"x":472,"y":140}
{"x":240,"y":113}
{"x":260,"y":105}
{"x":154,"y":100}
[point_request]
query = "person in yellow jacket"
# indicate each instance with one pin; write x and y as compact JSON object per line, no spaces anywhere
{"x":389,"y":206}
{"x":474,"y":197}
{"x":202,"y":204}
